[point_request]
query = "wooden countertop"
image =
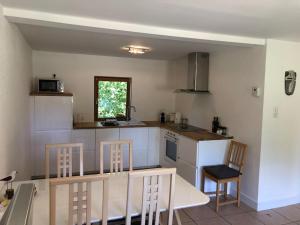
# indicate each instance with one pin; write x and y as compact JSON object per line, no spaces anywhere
{"x":50,"y":94}
{"x":198,"y":134}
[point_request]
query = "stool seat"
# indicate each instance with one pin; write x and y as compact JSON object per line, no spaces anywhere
{"x":221,"y":171}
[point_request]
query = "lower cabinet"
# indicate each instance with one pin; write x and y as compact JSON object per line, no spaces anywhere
{"x":140,"y":144}
{"x":153,"y":146}
{"x":107,"y":134}
{"x":87,"y":137}
{"x":146,"y":145}
{"x":187,"y":171}
{"x":38,"y":142}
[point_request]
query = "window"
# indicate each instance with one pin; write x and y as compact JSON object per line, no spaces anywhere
{"x":112,"y":98}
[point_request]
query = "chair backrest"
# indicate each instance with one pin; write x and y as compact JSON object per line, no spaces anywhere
{"x":116,"y":155}
{"x":236,"y":155}
{"x":64,"y":157}
{"x":152,"y":194}
{"x":80,"y":200}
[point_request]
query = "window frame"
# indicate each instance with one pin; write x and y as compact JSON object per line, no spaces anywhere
{"x":112,"y":79}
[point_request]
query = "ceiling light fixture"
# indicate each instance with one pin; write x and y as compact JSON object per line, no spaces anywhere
{"x":136,"y":50}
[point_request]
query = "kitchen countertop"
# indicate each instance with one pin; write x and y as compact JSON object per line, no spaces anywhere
{"x":197,"y":133}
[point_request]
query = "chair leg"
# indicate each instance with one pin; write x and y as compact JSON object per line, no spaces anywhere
{"x":238,"y":196}
{"x":203,"y":181}
{"x":217,"y":196}
{"x":177,"y":216}
{"x":225,"y":190}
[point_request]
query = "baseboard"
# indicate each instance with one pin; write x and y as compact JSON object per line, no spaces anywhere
{"x":259,"y":206}
{"x":245,"y":199}
{"x":278,"y":203}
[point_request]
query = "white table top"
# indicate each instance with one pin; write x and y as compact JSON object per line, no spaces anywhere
{"x":186,"y":195}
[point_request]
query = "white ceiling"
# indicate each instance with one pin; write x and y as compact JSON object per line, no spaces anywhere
{"x":172,"y":28}
{"x":255,"y":18}
{"x":76,"y":41}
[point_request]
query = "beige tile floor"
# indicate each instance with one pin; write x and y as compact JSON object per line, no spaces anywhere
{"x":231,"y":215}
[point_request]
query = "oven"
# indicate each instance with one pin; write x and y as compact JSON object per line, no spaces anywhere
{"x":171,"y":141}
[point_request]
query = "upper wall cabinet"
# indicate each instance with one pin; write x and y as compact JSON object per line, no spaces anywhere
{"x":52,"y":113}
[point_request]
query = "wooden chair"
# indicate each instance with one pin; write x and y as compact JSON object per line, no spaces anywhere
{"x":116,"y":155}
{"x":152,"y":194}
{"x":63,"y":158}
{"x":79,"y":201}
{"x":230,"y":172}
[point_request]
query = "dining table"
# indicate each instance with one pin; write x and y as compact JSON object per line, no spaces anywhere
{"x":186,"y":195}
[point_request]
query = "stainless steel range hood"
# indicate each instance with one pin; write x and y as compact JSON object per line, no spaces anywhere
{"x":198,"y":71}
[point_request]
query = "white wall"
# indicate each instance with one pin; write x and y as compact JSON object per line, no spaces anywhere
{"x":150,"y":90}
{"x":15,"y":78}
{"x":232,"y":75}
{"x":279,"y":181}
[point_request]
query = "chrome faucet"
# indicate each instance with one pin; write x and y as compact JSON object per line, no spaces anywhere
{"x":129,"y":111}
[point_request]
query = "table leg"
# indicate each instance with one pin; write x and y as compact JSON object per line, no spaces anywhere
{"x":177,"y":217}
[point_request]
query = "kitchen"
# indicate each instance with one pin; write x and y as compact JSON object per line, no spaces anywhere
{"x":70,"y":116}
{"x":149,"y":137}
{"x":245,"y":90}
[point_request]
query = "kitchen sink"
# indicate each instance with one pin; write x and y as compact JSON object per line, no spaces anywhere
{"x":131,"y":123}
{"x":109,"y":123}
{"x":115,"y":123}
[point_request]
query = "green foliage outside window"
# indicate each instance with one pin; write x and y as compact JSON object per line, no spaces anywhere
{"x":112,"y":98}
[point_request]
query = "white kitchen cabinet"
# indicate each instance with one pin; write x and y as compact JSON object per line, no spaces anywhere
{"x":153,"y":146}
{"x":162,"y":148}
{"x":53,"y":113}
{"x":39,"y":140}
{"x":140,"y":144}
{"x":106,"y":134}
{"x":88,"y":138}
{"x":85,"y":136}
{"x":187,"y":171}
{"x":187,"y":150}
{"x":211,"y":153}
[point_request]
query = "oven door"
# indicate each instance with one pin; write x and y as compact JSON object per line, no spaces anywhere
{"x":171,"y":149}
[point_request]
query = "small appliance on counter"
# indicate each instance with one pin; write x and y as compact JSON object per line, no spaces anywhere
{"x":50,"y":85}
{"x":162,"y":117}
{"x":217,"y":128}
{"x":171,"y":117}
{"x":177,"y":117}
{"x":215,"y":124}
{"x":184,"y":123}
{"x":222,"y":130}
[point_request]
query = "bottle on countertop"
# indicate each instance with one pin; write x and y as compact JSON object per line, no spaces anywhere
{"x":215,"y":124}
{"x":162,"y":118}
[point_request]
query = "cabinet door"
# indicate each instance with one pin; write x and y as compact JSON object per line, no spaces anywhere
{"x":107,"y":134}
{"x":39,"y":140}
{"x":139,"y":136}
{"x":187,"y":150}
{"x":53,"y":113}
{"x":162,"y":147}
{"x":153,"y":148}
{"x":87,"y":137}
{"x":187,"y":171}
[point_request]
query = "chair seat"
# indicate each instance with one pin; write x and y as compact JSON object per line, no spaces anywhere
{"x":221,"y":171}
